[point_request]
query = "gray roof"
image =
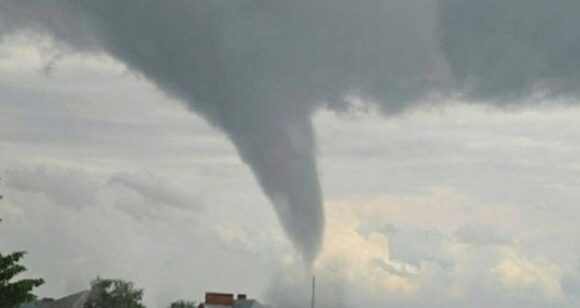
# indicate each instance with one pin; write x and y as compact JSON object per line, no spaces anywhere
{"x":77,"y":300}
{"x":72,"y":301}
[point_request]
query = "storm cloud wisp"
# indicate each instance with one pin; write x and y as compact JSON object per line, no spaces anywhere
{"x":259,"y":69}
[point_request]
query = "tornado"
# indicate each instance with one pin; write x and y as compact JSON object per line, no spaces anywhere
{"x":259,"y":69}
{"x":193,"y":50}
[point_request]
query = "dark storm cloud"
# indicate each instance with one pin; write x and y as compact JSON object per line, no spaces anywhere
{"x":506,"y":49}
{"x":258,"y":69}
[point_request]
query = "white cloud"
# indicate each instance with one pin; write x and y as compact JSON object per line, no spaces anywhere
{"x":518,"y":274}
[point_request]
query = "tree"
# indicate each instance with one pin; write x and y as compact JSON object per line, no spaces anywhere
{"x":183,"y":304}
{"x":13,"y":294}
{"x":110,"y":293}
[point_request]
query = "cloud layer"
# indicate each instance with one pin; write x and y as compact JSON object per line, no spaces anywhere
{"x":259,"y":69}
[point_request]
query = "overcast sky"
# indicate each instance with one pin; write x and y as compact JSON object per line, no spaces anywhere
{"x":452,"y":204}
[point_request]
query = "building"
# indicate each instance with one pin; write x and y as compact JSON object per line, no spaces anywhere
{"x":77,"y":300}
{"x":227,"y":300}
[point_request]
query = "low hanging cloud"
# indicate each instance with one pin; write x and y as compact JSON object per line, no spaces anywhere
{"x":259,"y":69}
{"x":65,"y":187}
{"x":156,"y":190}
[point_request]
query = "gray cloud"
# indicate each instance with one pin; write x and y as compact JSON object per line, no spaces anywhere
{"x":366,"y":230}
{"x":65,"y":187}
{"x":507,"y":49}
{"x":258,"y":69}
{"x":479,"y":236}
{"x":415,"y":245}
{"x":155,"y":190}
{"x":403,"y":272}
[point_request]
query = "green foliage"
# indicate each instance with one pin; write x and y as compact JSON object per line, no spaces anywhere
{"x":12,"y":294}
{"x":109,"y":293}
{"x":183,"y":304}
